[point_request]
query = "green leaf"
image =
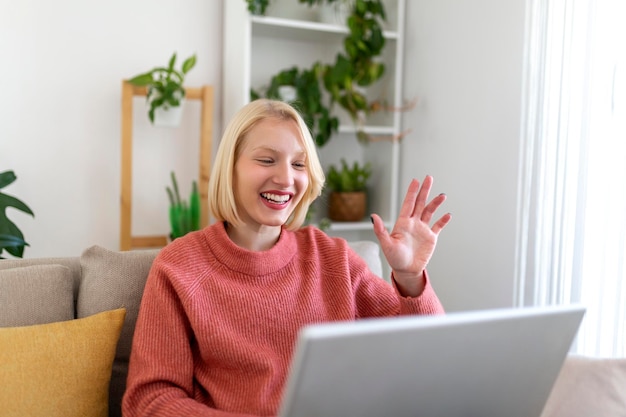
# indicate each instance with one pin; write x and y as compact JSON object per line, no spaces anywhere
{"x":170,"y":195}
{"x":7,"y":240}
{"x":194,"y":206}
{"x":142,"y":80}
{"x":9,"y":201}
{"x":171,"y":63}
{"x":189,"y":64}
{"x":173,"y":212}
{"x":175,"y":186}
{"x":6,"y":178}
{"x":11,"y":237}
{"x":10,"y":229}
{"x":257,"y":7}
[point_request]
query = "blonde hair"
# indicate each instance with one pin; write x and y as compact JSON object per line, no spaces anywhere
{"x":221,"y":195}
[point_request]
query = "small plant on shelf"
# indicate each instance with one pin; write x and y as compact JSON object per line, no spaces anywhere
{"x":347,"y":184}
{"x":11,"y":237}
{"x":184,"y":217}
{"x":346,"y":178}
{"x":164,"y":84}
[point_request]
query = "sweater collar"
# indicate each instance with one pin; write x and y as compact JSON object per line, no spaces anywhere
{"x":248,"y":262}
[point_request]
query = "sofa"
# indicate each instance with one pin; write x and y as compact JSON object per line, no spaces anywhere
{"x":66,"y":327}
{"x":79,"y":370}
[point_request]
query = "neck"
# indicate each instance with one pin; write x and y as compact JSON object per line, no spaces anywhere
{"x":254,"y":240}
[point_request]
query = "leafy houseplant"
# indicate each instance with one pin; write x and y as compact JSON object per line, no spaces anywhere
{"x":184,"y":217}
{"x":308,"y":100}
{"x":346,"y":178}
{"x":165,"y":84}
{"x":348,"y":186}
{"x":11,"y":237}
{"x":257,"y":7}
{"x":354,"y":69}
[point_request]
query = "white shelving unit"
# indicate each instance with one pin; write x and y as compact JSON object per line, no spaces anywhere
{"x":258,"y":47}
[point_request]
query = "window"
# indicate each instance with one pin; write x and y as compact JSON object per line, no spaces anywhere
{"x":572,"y":214}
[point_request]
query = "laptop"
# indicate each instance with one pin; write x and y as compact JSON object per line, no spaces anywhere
{"x":490,"y":363}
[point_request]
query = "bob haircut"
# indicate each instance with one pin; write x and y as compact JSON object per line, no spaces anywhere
{"x":221,"y":195}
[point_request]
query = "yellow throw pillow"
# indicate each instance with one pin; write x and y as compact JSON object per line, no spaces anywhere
{"x":59,"y":369}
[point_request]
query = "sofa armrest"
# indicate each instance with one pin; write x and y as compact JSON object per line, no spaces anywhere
{"x":370,"y":252}
{"x":589,"y":387}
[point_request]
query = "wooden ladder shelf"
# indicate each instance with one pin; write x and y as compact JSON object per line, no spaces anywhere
{"x":204,"y":94}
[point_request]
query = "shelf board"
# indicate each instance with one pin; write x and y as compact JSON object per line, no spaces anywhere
{"x":365,"y":225}
{"x":281,"y":28}
{"x":372,"y":130}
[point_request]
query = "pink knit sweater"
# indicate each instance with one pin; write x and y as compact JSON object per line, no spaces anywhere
{"x":218,"y":323}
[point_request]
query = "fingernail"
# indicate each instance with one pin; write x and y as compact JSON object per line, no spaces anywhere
{"x":372,"y":219}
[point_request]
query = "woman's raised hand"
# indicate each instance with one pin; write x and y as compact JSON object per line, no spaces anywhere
{"x":411,"y":243}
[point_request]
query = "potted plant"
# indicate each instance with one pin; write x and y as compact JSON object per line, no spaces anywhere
{"x":358,"y":66}
{"x":308,"y":99}
{"x":347,"y":200}
{"x":184,"y":216}
{"x":344,"y":81}
{"x":11,"y":237}
{"x":165,"y":90}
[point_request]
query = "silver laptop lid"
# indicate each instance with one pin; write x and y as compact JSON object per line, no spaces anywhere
{"x":490,"y":363}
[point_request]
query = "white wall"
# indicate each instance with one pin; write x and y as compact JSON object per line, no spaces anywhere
{"x":464,"y":64}
{"x":62,"y":66}
{"x":63,"y":62}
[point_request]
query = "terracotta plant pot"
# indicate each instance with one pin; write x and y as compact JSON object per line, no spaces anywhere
{"x":347,"y":207}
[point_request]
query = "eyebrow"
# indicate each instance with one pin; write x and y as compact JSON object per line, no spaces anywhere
{"x":272,"y":149}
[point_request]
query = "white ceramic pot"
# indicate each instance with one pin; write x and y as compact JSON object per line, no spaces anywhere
{"x":335,"y":13}
{"x":287,"y":93}
{"x":167,"y":116}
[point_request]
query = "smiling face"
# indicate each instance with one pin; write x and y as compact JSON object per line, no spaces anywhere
{"x":270,"y":175}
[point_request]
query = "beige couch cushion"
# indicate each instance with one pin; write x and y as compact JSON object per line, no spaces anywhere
{"x":113,"y":280}
{"x":70,"y":262}
{"x":36,"y":294}
{"x":589,"y":387}
{"x":370,"y":252}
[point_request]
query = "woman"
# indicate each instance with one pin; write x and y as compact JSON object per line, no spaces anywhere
{"x":222,"y":306}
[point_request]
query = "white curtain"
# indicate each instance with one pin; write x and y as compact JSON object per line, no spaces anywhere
{"x":572,"y":212}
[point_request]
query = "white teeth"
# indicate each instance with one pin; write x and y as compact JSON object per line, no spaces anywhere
{"x":276,"y":198}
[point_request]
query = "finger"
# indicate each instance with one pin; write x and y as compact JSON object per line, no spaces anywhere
{"x":408,"y":205}
{"x":422,"y":196}
{"x":380,"y":231}
{"x":441,"y":223}
{"x":432,"y":207}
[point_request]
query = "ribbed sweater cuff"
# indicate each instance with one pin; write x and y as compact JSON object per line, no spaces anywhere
{"x":425,"y":303}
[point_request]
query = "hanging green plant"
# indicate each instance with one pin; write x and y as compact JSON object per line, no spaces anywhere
{"x":357,"y":67}
{"x":308,"y":99}
{"x":165,"y":84}
{"x":354,"y":69}
{"x":11,"y":237}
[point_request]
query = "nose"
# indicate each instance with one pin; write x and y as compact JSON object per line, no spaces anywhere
{"x":283,"y":175}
